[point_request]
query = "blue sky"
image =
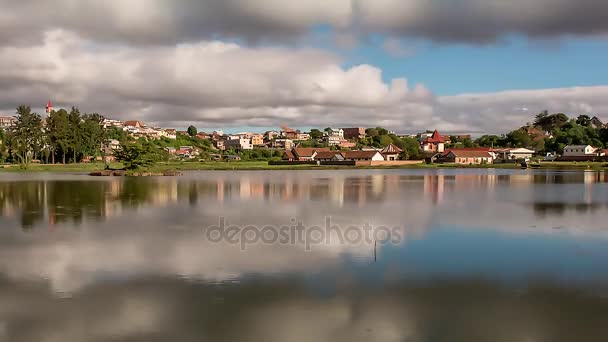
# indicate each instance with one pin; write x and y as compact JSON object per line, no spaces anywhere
{"x":515,"y":63}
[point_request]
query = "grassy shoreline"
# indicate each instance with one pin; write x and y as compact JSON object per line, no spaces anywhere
{"x":263,"y":165}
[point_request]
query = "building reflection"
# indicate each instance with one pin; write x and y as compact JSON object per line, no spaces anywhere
{"x":73,"y":201}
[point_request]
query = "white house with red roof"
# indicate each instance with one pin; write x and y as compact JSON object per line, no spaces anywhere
{"x":433,"y":144}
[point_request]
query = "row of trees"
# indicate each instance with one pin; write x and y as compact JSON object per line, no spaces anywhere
{"x":551,"y":133}
{"x":65,"y":136}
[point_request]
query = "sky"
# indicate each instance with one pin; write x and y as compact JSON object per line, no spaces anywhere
{"x":460,"y":66}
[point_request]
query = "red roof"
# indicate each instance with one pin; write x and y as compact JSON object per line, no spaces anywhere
{"x":49,"y":104}
{"x":467,"y":149}
{"x":326,"y":154}
{"x":288,"y":155}
{"x":470,"y":153}
{"x":435,"y":138}
{"x":359,"y":154}
{"x":308,"y":152}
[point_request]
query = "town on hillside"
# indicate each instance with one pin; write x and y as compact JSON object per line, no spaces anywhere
{"x":552,"y":137}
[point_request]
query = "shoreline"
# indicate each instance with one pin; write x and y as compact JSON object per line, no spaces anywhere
{"x":263,"y":166}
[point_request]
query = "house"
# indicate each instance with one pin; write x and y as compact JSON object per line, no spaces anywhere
{"x":113,"y":144}
{"x":371,"y":155}
{"x":203,"y":136}
{"x":171,"y":150}
{"x":288,"y":156}
{"x":354,"y":133}
{"x":468,"y":156}
{"x":283,"y":143}
{"x":107,"y":123}
{"x":7,"y":121}
{"x":334,"y":137}
{"x":219,"y":144}
{"x":303,"y":136}
{"x":239,"y":144}
{"x":270,"y":135}
{"x":257,"y":140}
{"x":513,"y":153}
{"x":391,"y":152}
{"x":347,"y":144}
{"x":133,"y":124}
{"x":184,"y":153}
{"x":308,"y":153}
{"x":333,"y":140}
{"x":579,"y":151}
{"x":434,"y":143}
{"x":597,"y":123}
{"x":329,"y":156}
{"x":336,"y":132}
{"x":289,"y":133}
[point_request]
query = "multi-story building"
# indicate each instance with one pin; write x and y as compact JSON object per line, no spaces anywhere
{"x":354,"y":133}
{"x":289,"y":133}
{"x":257,"y":140}
{"x":283,"y":143}
{"x":303,"y":136}
{"x":270,"y":135}
{"x":238,"y":144}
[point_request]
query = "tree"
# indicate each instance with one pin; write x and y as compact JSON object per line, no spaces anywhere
{"x":382,"y":131}
{"x":372,"y":132}
{"x":192,"y":131}
{"x":75,"y":132}
{"x":316,"y":134}
{"x":135,"y":155}
{"x":25,"y":138}
{"x":583,"y":120}
{"x":57,"y":126}
{"x":519,"y":138}
{"x":92,"y":134}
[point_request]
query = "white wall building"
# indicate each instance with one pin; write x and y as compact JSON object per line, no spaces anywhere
{"x":238,"y":144}
{"x":579,"y":150}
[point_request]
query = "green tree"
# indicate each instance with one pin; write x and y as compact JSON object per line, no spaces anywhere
{"x":75,"y":132}
{"x":25,"y":138}
{"x":519,"y":138}
{"x":372,"y":132}
{"x":192,"y":131}
{"x":58,"y":133}
{"x":136,"y":155}
{"x":92,"y":134}
{"x":316,"y":134}
{"x":583,"y":120}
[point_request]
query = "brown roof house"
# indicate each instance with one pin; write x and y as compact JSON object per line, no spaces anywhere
{"x":329,"y":156}
{"x":308,"y":153}
{"x":391,"y":152}
{"x":469,"y":157}
{"x":133,"y":123}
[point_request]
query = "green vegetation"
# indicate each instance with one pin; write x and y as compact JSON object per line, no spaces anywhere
{"x":192,"y":131}
{"x":135,"y":155}
{"x":69,"y":137}
{"x":551,"y":133}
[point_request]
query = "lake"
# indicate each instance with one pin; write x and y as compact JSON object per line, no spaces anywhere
{"x":338,"y":255}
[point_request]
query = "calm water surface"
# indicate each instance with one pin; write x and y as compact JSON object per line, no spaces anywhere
{"x":482,"y":255}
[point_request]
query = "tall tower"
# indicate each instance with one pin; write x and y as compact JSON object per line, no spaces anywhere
{"x":49,"y":107}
